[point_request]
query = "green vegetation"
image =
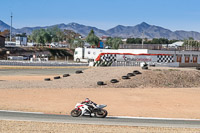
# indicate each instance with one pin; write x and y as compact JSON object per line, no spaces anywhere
{"x":43,"y":36}
{"x":191,"y":44}
{"x":54,"y":34}
{"x":146,"y":41}
{"x":114,"y":42}
{"x":92,"y":39}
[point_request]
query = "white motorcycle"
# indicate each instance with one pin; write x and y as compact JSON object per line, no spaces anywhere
{"x":84,"y":109}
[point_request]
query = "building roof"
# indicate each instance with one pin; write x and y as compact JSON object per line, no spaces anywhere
{"x":2,"y":36}
{"x":176,"y":44}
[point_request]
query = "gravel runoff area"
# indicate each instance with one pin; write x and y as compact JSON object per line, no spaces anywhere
{"x":155,"y":77}
{"x":42,"y":127}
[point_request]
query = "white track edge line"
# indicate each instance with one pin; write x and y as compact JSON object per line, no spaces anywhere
{"x":155,"y":118}
{"x":21,"y":112}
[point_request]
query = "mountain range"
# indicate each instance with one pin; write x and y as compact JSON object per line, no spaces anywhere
{"x":141,"y":30}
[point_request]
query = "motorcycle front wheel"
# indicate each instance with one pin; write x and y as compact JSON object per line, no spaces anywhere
{"x":76,"y":113}
{"x":102,"y":113}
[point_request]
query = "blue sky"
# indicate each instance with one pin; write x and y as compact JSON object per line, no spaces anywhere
{"x":104,"y":14}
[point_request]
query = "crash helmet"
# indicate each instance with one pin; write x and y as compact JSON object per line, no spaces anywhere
{"x":87,"y":99}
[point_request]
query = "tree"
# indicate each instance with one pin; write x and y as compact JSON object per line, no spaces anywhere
{"x":92,"y":39}
{"x":138,"y":41}
{"x":130,"y":41}
{"x":70,"y":36}
{"x":43,"y":36}
{"x":109,"y":41}
{"x":56,"y":34}
{"x":191,"y":38}
{"x":78,"y":43}
{"x":114,"y":42}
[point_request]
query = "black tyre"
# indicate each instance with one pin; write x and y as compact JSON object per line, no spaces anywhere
{"x":130,"y":74}
{"x":136,"y":72}
{"x":100,"y":83}
{"x":57,"y":77}
{"x":78,"y":60}
{"x":114,"y":81}
{"x":198,"y":68}
{"x":66,"y":75}
{"x":125,"y":77}
{"x":47,"y":79}
{"x":78,"y":72}
{"x":152,"y":65}
{"x":76,"y":113}
{"x":145,"y":67}
{"x":102,"y":113}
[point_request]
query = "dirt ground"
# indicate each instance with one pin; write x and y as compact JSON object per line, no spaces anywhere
{"x":158,"y":92}
{"x":148,"y":102}
{"x":42,"y":127}
{"x":152,"y":78}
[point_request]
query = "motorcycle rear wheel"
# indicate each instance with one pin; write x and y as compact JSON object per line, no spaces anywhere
{"x":101,"y":113}
{"x":76,"y":113}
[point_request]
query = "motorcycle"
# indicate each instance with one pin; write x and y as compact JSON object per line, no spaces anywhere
{"x":84,"y":109}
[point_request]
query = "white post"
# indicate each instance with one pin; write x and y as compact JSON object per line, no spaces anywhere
{"x":11,"y":28}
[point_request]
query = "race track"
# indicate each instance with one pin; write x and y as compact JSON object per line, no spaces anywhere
{"x":39,"y":117}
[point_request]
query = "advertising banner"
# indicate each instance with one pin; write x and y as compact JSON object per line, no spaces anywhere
{"x":137,"y":58}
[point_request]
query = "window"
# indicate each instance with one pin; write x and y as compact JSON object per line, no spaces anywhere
{"x":76,"y":52}
{"x":88,"y":52}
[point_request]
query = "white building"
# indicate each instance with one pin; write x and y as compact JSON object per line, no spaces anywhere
{"x":21,"y":41}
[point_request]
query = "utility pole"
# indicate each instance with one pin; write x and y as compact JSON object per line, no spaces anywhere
{"x":11,"y":27}
{"x":142,"y":39}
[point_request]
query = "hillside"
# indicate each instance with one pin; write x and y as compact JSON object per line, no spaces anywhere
{"x":140,"y":30}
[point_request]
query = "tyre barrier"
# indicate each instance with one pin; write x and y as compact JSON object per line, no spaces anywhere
{"x":125,"y":77}
{"x":47,"y":79}
{"x":114,"y":81}
{"x":100,"y":83}
{"x":145,"y":67}
{"x":136,"y":72}
{"x":198,"y":68}
{"x":130,"y":74}
{"x":57,"y":77}
{"x":78,"y":72}
{"x":66,"y":75}
{"x":152,"y":65}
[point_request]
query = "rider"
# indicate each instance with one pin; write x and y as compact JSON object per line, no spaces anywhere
{"x":91,"y":105}
{"x":89,"y":102}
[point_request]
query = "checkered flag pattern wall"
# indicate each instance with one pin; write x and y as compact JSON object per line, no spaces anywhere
{"x":109,"y":57}
{"x":164,"y":58}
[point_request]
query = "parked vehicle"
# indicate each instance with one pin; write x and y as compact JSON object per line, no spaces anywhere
{"x":84,"y":109}
{"x":90,"y":54}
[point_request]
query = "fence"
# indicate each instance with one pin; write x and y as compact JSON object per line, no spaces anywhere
{"x":46,"y":63}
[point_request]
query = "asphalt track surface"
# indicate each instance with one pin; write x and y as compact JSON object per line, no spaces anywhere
{"x":39,"y":117}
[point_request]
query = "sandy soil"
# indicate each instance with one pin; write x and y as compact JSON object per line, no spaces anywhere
{"x":148,"y":102}
{"x":158,"y":92}
{"x":153,"y":78}
{"x":41,"y":127}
